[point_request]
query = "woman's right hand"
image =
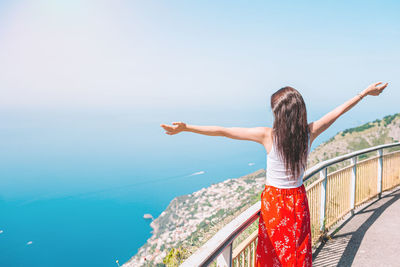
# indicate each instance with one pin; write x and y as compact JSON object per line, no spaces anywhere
{"x":374,"y":89}
{"x":179,"y":127}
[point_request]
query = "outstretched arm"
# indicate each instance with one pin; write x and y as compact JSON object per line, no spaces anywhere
{"x":256,"y":134}
{"x":317,"y":127}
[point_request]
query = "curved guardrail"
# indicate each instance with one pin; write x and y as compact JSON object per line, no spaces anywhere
{"x":331,"y":197}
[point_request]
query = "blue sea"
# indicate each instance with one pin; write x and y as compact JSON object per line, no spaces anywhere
{"x":74,"y":185}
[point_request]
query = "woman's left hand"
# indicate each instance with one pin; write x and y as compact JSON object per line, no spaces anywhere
{"x":179,"y":127}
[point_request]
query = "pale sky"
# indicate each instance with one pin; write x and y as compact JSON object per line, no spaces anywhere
{"x":195,"y":54}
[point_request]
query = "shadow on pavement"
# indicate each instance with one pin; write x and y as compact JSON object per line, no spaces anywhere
{"x":342,"y":248}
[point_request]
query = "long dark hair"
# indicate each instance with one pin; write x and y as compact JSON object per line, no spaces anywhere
{"x":290,"y":129}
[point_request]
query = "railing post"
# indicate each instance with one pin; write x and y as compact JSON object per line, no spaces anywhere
{"x":225,"y":258}
{"x":353,"y":162}
{"x":323,"y":174}
{"x":380,"y":170}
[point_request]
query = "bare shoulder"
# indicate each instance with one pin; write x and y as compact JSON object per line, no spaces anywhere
{"x":266,"y":131}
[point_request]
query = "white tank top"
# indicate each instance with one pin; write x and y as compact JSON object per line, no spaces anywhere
{"x":276,"y":172}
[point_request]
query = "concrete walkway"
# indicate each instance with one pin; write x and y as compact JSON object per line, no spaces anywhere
{"x":369,"y":238}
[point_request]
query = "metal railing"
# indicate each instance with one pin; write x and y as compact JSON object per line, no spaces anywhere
{"x":331,"y":196}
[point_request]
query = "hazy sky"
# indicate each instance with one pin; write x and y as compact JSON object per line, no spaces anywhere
{"x":195,"y":54}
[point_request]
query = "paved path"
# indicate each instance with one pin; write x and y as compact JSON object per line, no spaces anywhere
{"x":369,"y":238}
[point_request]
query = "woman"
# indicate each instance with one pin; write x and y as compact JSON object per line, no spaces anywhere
{"x":284,"y":235}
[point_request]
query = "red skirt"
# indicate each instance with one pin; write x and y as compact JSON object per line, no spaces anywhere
{"x":284,"y":233}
